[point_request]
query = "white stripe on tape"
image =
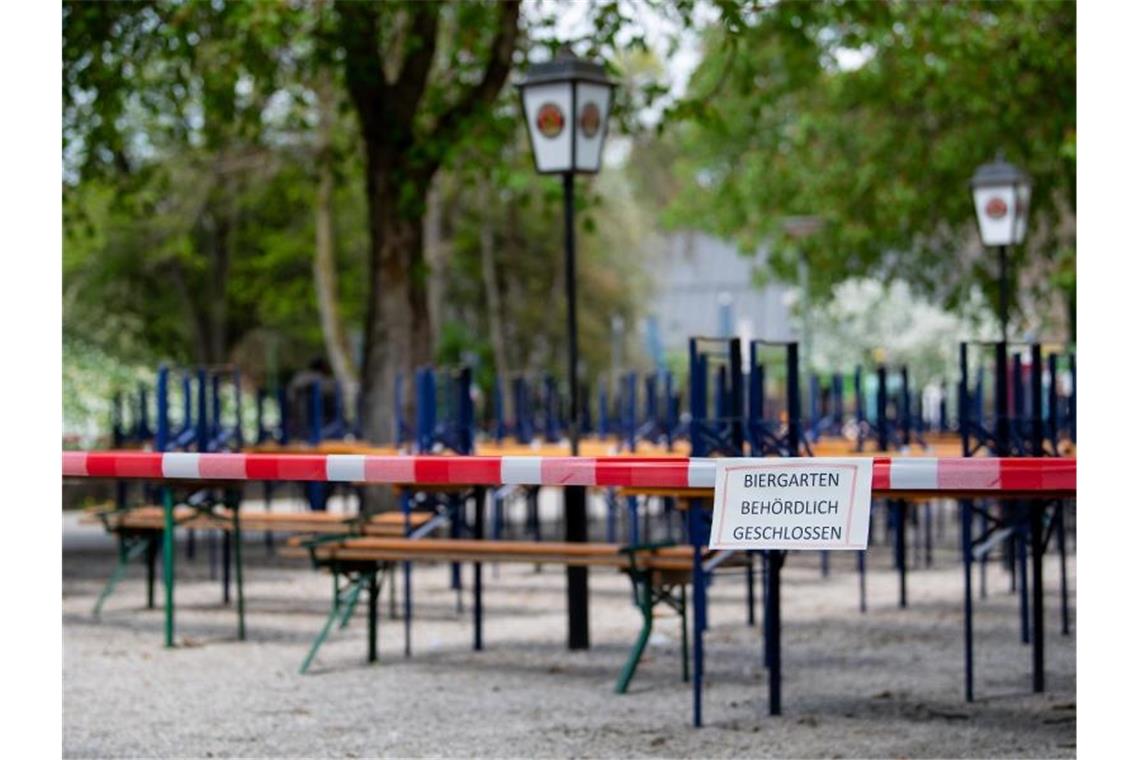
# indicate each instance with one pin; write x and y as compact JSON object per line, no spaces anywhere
{"x":525,"y":471}
{"x":702,"y":473}
{"x":180,"y":464}
{"x":918,"y":473}
{"x":345,"y":468}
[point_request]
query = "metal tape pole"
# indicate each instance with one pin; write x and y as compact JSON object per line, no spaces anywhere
{"x":577,"y":589}
{"x":168,"y":561}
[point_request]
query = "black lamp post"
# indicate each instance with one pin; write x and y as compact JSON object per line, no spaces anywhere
{"x":566,"y":104}
{"x":1001,"y":202}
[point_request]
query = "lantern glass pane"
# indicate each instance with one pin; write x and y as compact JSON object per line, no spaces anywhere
{"x":548,"y":123}
{"x":1022,"y":222}
{"x":593,"y":104}
{"x":995,"y":208}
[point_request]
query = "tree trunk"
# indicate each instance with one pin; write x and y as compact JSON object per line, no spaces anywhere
{"x":397,"y":331}
{"x":196,"y":316}
{"x":436,"y":256}
{"x":219,"y":274}
{"x":494,"y":309}
{"x":324,"y":262}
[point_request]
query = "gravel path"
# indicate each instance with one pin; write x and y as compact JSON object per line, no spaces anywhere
{"x":884,"y":684}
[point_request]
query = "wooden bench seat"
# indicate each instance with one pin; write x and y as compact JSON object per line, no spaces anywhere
{"x":152,"y":518}
{"x":658,"y":573}
{"x":369,"y":548}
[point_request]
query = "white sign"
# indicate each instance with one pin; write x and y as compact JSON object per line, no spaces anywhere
{"x":798,"y":503}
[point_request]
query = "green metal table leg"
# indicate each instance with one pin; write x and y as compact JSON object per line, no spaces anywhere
{"x":352,"y":593}
{"x":168,"y":561}
{"x":645,"y":604}
{"x":126,"y":554}
{"x":236,"y":506}
{"x":349,"y":606}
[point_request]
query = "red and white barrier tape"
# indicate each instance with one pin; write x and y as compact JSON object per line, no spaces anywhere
{"x":901,"y":474}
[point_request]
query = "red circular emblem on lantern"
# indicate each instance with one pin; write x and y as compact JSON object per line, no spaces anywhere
{"x":550,"y":120}
{"x":590,"y":120}
{"x":996,"y":208}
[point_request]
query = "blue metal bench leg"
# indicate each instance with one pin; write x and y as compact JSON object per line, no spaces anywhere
{"x":1037,"y":547}
{"x":1064,"y":570}
{"x":967,"y":522}
{"x":1023,"y":550}
{"x":929,"y":534}
{"x":455,"y":507}
{"x":983,"y":560}
{"x":900,"y":512}
{"x":861,"y":560}
{"x":480,"y":508}
{"x":695,"y":534}
{"x":225,"y":568}
{"x":611,"y":516}
{"x":684,"y":635}
{"x":772,"y":631}
{"x":406,"y":505}
{"x":634,"y":532}
{"x":373,"y":616}
{"x":750,"y":589}
{"x":151,"y":557}
{"x":237,"y":541}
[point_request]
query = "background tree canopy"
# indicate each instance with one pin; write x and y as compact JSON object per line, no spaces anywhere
{"x":263,"y":183}
{"x":872,"y":117}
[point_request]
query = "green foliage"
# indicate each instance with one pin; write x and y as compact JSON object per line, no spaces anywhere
{"x":91,"y":377}
{"x":189,"y":192}
{"x":880,"y":149}
{"x":189,"y":152}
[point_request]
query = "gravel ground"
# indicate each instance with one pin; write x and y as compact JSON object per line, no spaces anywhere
{"x":883,"y":684}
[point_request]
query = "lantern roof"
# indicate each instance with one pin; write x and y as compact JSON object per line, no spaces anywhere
{"x":566,"y":67}
{"x":998,"y":173}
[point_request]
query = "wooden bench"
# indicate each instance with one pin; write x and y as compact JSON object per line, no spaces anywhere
{"x":151,"y":518}
{"x":658,"y":573}
{"x":139,"y":531}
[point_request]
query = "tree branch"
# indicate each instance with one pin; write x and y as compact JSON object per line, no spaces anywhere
{"x":412,"y":79}
{"x":498,"y":66}
{"x":359,"y":32}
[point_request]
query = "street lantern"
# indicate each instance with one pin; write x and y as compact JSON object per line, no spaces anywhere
{"x":566,"y":104}
{"x":1001,"y":203}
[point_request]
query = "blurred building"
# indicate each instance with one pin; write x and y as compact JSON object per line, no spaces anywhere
{"x":704,"y":286}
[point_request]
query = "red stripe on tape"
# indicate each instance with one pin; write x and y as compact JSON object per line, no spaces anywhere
{"x":978,"y":474}
{"x":288,"y":467}
{"x":663,"y":472}
{"x":1015,"y":476}
{"x":431,"y":469}
{"x":881,"y":474}
{"x":398,"y":469}
{"x":1061,"y":476}
{"x":74,"y":463}
{"x":222,"y":466}
{"x":475,"y":471}
{"x":569,"y":471}
{"x":125,"y":464}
